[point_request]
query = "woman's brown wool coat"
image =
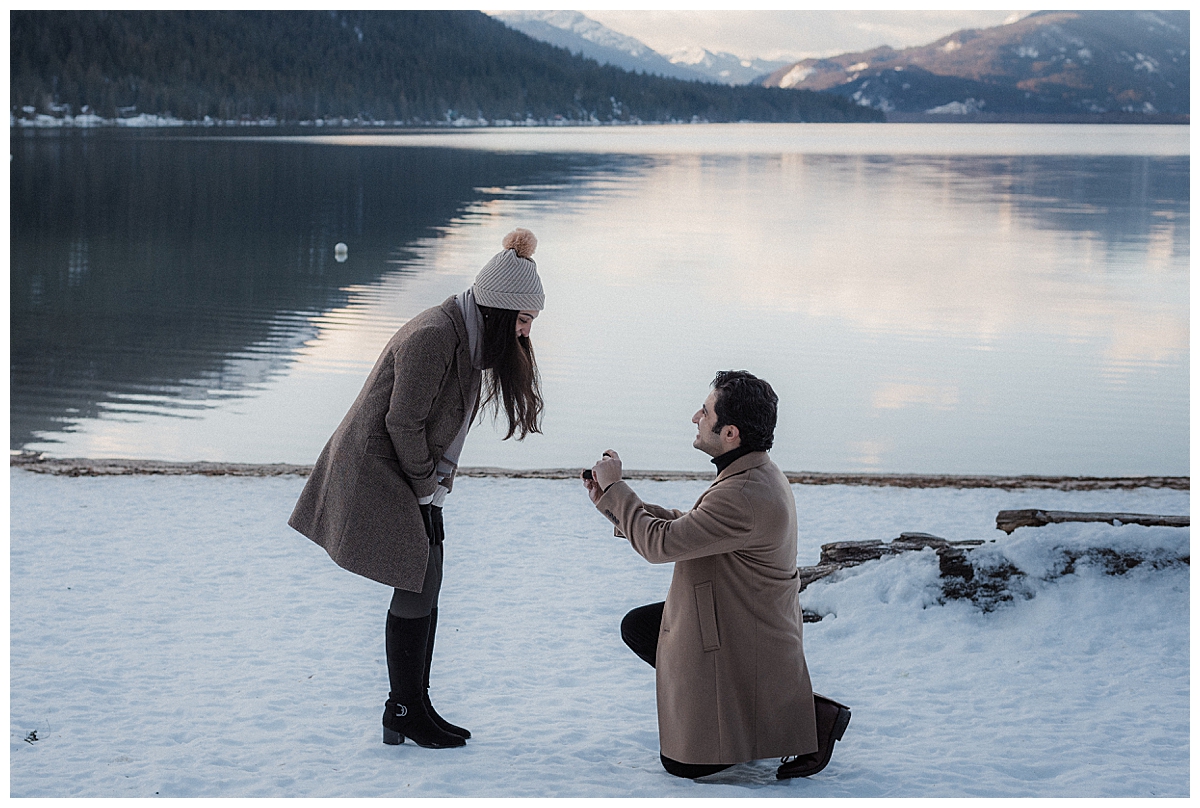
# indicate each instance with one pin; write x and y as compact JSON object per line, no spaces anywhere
{"x":732,"y":683}
{"x":360,"y":502}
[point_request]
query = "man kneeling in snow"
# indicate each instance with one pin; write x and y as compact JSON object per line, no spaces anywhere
{"x":732,"y":683}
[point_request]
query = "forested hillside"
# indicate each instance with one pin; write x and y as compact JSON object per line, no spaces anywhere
{"x":405,"y":67}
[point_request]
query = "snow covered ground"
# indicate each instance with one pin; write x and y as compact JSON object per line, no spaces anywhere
{"x":171,"y":636}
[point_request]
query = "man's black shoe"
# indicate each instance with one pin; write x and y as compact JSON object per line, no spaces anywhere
{"x":832,"y":720}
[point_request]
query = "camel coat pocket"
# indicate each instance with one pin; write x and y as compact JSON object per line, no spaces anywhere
{"x":706,"y":609}
{"x":381,"y":446}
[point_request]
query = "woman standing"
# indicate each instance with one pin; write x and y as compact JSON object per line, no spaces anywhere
{"x":374,"y":498}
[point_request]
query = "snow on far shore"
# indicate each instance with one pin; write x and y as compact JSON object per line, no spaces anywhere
{"x":171,"y":636}
{"x":146,"y":120}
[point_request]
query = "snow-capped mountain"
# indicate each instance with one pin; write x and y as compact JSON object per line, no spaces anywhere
{"x":1049,"y":62}
{"x":725,"y":67}
{"x":586,"y":37}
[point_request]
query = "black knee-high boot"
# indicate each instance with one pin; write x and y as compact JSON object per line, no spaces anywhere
{"x":442,"y":723}
{"x":404,"y":715}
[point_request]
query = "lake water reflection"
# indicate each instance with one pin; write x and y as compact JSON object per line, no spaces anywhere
{"x":1016,"y":311}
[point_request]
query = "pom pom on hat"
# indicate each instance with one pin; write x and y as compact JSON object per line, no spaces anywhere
{"x":521,"y":241}
{"x":510,"y":279}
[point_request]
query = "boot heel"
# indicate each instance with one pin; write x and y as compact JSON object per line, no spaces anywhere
{"x":391,"y":737}
{"x":839,"y":726}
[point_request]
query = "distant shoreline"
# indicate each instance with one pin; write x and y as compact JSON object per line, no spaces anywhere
{"x":44,"y":122}
{"x":1124,"y":118}
{"x":109,"y":467}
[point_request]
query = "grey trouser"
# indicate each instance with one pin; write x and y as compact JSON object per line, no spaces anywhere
{"x":411,"y":605}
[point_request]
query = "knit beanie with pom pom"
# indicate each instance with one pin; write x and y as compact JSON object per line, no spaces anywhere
{"x":510,"y":279}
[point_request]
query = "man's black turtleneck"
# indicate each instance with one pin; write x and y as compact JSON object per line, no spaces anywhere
{"x":724,"y":460}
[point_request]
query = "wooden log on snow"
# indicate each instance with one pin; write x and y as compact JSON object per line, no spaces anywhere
{"x":1008,"y":521}
{"x":840,"y":555}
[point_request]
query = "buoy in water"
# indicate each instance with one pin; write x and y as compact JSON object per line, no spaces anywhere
{"x":340,"y":252}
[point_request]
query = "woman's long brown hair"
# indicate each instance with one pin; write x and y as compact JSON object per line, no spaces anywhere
{"x":512,"y":374}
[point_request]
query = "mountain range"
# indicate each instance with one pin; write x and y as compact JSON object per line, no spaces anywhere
{"x":426,"y":67}
{"x":587,"y":37}
{"x":723,"y":67}
{"x":1059,"y":64}
{"x":1051,"y":62}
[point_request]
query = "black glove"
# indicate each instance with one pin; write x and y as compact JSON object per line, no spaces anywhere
{"x":439,"y":528}
{"x":427,"y":518}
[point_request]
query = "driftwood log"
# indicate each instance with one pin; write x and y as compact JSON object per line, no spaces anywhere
{"x":840,"y":555}
{"x":1008,"y":521}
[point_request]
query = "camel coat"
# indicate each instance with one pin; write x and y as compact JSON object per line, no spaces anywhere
{"x":732,"y":682}
{"x":360,"y":502}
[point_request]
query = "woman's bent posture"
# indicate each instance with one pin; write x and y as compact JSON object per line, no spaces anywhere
{"x":375,"y":496}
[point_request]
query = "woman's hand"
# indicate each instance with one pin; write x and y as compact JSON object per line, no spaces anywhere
{"x":427,"y":518}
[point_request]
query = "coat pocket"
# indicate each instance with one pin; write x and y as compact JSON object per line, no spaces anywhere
{"x":381,"y":446}
{"x":706,"y":608}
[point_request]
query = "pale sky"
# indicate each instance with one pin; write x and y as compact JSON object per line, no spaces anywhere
{"x":778,"y":34}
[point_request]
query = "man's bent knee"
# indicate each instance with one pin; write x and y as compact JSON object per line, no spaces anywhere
{"x":639,"y":630}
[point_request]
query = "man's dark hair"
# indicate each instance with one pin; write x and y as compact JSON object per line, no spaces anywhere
{"x":748,"y":403}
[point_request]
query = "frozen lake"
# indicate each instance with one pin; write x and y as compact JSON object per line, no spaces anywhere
{"x":924,"y":298}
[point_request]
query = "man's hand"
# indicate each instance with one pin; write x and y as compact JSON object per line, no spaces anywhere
{"x":607,"y":471}
{"x":593,"y":490}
